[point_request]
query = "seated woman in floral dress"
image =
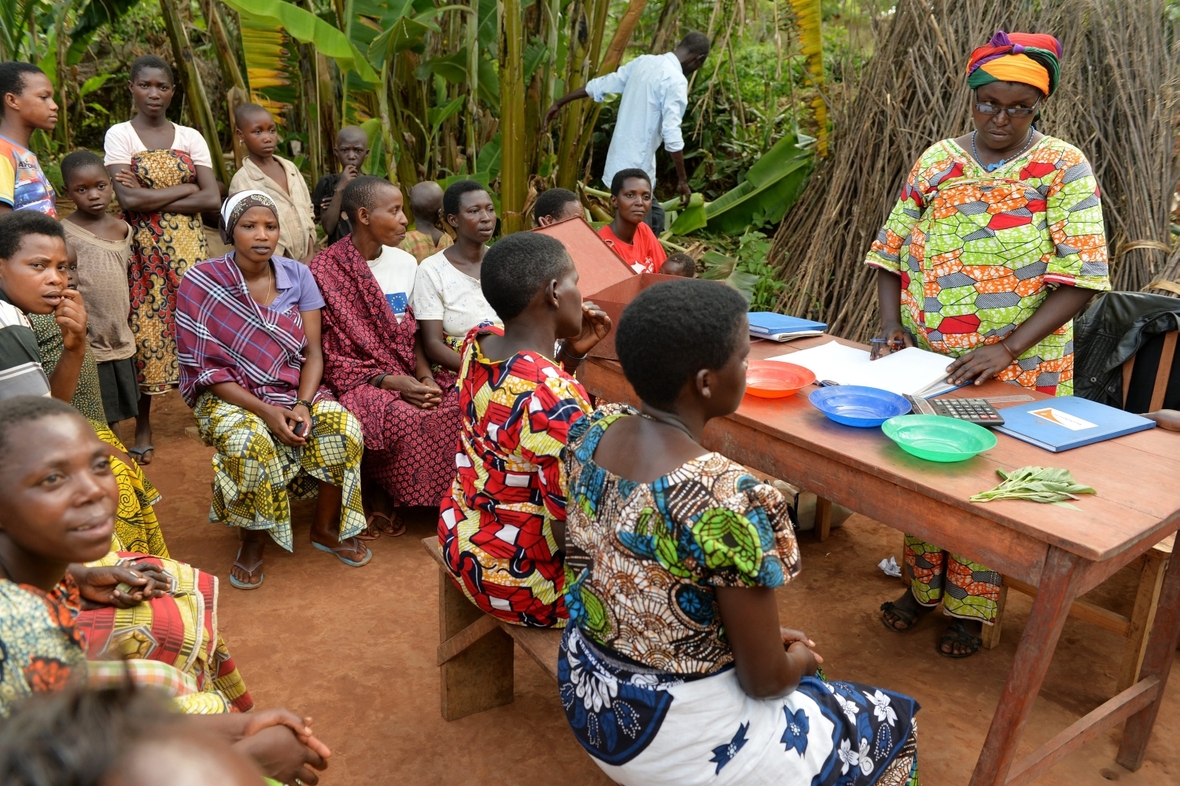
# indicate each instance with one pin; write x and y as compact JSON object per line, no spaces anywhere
{"x":248,"y":332}
{"x":673,"y":668}
{"x":374,"y":362}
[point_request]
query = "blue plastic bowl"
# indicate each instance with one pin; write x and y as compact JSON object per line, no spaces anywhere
{"x":853,"y":405}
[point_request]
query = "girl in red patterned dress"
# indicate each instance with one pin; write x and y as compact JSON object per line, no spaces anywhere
{"x":502,"y":523}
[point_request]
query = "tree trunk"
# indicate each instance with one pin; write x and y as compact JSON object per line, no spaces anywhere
{"x":665,"y":35}
{"x":513,"y":172}
{"x":194,"y":89}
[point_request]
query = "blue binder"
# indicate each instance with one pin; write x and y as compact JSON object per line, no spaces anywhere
{"x":1067,"y":422}
{"x":779,"y":327}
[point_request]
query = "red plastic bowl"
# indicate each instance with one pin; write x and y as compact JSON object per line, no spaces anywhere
{"x":772,"y":379}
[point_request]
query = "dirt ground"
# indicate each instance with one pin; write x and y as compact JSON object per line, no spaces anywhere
{"x":355,"y":649}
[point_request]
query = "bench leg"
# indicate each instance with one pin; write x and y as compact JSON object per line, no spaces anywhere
{"x":991,"y":633}
{"x":1147,"y":598}
{"x":480,"y":677}
{"x":823,"y":518}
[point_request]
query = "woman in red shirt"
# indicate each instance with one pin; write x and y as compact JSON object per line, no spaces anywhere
{"x":628,"y":235}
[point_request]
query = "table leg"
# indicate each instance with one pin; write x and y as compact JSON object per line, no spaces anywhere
{"x":1157,"y":662}
{"x":823,"y":518}
{"x":1049,"y":611}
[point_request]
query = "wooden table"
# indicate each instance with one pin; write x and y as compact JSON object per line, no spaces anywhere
{"x":1062,"y":552}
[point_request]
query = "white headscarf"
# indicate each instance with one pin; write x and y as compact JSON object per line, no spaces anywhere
{"x":239,"y":203}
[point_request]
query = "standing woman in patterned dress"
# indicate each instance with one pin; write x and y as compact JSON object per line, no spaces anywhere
{"x":995,"y":245}
{"x":163,"y":176}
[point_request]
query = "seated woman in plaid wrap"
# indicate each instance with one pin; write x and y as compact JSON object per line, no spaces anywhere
{"x":248,"y":333}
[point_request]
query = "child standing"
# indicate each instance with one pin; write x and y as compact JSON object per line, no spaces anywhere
{"x":278,"y":178}
{"x":352,"y":148}
{"x":103,"y":245}
{"x":426,"y":238}
{"x":26,"y":104}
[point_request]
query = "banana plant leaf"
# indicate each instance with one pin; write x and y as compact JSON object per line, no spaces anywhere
{"x":308,"y":28}
{"x":453,"y":68}
{"x":719,"y":267}
{"x":767,"y":191}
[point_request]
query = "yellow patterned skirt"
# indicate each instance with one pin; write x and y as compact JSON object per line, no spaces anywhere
{"x":136,"y":526}
{"x":254,"y":473}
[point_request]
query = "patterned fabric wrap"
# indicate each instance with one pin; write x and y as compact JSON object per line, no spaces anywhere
{"x":979,"y":252}
{"x":253,"y":473}
{"x":409,"y":451}
{"x":136,"y":527}
{"x":496,"y":524}
{"x":42,"y":648}
{"x":646,"y":727}
{"x":178,"y":629}
{"x":87,"y":395}
{"x":966,"y":589}
{"x":643,"y":559}
{"x":225,"y":335}
{"x":164,"y":247}
{"x":45,"y":649}
{"x":1028,"y":58}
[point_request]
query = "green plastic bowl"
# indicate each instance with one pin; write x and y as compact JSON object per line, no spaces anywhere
{"x":936,"y":438}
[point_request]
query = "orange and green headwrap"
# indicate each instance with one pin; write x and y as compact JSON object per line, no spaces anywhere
{"x":1029,"y":58}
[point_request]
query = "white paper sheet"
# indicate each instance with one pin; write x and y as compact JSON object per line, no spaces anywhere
{"x":911,"y":371}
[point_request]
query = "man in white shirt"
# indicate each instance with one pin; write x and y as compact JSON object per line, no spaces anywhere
{"x":655,"y":96}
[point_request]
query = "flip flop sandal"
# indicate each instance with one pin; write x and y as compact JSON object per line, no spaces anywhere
{"x":956,"y":633}
{"x":139,"y":453}
{"x":242,"y":585}
{"x":342,"y":547}
{"x":391,"y":528}
{"x":907,"y":615}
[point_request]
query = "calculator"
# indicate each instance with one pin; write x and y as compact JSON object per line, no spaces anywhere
{"x":973,"y":410}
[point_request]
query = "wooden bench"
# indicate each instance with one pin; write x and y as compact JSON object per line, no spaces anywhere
{"x":475,"y":653}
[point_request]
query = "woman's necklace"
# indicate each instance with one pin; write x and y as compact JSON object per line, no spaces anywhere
{"x":670,"y":421}
{"x":1002,"y":161}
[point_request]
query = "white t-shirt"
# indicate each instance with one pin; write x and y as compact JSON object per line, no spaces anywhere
{"x":442,"y":292}
{"x":395,"y":270}
{"x":122,"y":142}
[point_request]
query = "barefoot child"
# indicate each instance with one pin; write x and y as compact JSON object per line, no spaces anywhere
{"x":278,"y":178}
{"x":103,"y":245}
{"x":426,"y":238}
{"x":352,"y":148}
{"x":501,"y":524}
{"x":26,"y":104}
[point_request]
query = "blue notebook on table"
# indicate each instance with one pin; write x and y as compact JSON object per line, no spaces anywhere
{"x":779,"y":327}
{"x":1067,"y":422}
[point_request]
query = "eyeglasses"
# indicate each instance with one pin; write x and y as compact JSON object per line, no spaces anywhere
{"x":1013,"y":111}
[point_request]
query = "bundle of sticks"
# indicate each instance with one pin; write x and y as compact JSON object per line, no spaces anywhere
{"x":1118,"y":102}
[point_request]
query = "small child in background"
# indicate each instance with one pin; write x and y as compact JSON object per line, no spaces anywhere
{"x":679,"y":265}
{"x":102,"y":243}
{"x":352,"y":148}
{"x":426,"y":238}
{"x":278,"y":178}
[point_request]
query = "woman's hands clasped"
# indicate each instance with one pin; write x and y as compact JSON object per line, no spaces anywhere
{"x":423,"y":394}
{"x":121,"y":586}
{"x":282,"y":423}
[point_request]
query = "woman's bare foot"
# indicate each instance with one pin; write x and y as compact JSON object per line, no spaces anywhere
{"x":903,"y":613}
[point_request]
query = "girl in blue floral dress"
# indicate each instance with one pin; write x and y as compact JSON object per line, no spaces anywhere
{"x":673,"y":668}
